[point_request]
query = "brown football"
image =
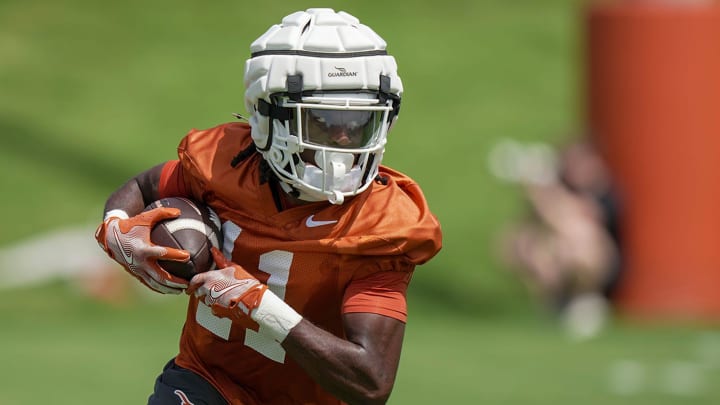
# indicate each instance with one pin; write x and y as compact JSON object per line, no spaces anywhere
{"x":196,"y":230}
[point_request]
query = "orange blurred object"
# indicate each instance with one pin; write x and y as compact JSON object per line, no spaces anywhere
{"x":653,"y":92}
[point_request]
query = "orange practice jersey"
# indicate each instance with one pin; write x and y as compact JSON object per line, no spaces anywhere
{"x":323,"y":260}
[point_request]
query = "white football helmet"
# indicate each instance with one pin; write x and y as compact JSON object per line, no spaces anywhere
{"x":322,"y":93}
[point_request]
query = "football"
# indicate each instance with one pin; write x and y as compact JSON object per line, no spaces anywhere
{"x":196,"y":230}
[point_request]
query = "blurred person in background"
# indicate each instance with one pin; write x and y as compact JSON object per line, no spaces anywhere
{"x":308,"y":303}
{"x":567,"y":251}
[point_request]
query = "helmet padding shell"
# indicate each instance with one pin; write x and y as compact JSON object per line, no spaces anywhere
{"x":326,"y":51}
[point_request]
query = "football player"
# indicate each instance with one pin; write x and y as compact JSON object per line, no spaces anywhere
{"x":308,"y":304}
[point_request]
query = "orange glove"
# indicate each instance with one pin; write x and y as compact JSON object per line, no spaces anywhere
{"x":230,"y":291}
{"x":127,"y":241}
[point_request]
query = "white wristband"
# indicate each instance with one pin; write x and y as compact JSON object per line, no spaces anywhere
{"x":275,"y":317}
{"x":118,"y":213}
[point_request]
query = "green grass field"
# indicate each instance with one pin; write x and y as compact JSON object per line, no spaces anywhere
{"x":93,"y":92}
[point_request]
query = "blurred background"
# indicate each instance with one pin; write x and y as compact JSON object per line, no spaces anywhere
{"x":575,"y":186}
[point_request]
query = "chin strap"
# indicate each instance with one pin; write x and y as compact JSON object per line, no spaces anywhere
{"x":384,"y":94}
{"x":381,"y":180}
{"x":295,"y":193}
{"x":242,"y":155}
{"x":337,"y":198}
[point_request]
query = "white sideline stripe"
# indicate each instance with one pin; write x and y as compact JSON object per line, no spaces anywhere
{"x":62,"y":253}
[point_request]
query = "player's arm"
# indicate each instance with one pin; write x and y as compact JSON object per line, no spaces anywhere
{"x":133,"y":196}
{"x":358,"y":369}
{"x":124,"y":233}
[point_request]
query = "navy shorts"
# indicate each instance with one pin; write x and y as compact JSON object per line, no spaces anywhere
{"x":179,"y":386}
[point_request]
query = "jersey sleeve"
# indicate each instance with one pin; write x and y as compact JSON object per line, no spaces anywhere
{"x":381,"y":293}
{"x":172,"y":180}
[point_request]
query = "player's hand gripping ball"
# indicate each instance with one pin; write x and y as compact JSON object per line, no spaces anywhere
{"x":196,"y":230}
{"x":127,"y":241}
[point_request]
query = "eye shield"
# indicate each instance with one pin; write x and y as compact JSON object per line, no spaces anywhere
{"x":345,"y":129}
{"x":339,"y":121}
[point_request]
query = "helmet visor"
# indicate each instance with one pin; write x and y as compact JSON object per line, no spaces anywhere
{"x":341,"y":129}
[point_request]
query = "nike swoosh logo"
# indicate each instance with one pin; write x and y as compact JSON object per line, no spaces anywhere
{"x":215,"y":294}
{"x":311,"y":223}
{"x":128,"y":257}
